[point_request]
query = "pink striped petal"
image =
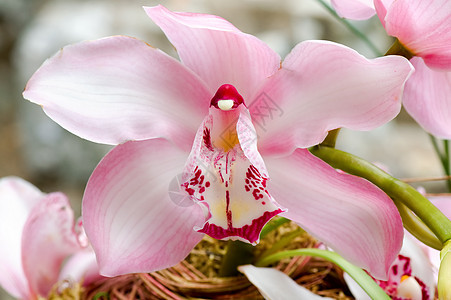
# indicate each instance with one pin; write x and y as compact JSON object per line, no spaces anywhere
{"x":427,"y":98}
{"x":424,"y":28}
{"x":217,"y":51}
{"x":323,"y":86}
{"x":132,"y":223}
{"x":354,"y":9}
{"x":17,"y":199}
{"x":48,"y":238}
{"x":348,"y":213}
{"x":117,"y":89}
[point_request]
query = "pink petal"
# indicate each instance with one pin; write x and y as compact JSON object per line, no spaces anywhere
{"x":132,"y":223}
{"x":117,"y":89}
{"x":354,"y":9}
{"x":427,"y":98}
{"x":48,"y":238}
{"x":274,"y":284}
{"x":17,"y":199}
{"x":424,"y":28}
{"x":81,"y":267}
{"x":323,"y":86}
{"x":381,"y":7}
{"x":217,"y":51}
{"x":348,"y":213}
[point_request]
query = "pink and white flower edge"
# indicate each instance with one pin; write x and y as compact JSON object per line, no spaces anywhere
{"x":37,"y":234}
{"x":247,"y":118}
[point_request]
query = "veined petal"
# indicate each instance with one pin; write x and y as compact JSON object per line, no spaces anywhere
{"x":423,"y":27}
{"x":17,"y":199}
{"x":323,"y":86}
{"x":217,"y":51}
{"x":274,"y":284}
{"x":354,"y":9}
{"x":427,"y":98}
{"x":346,"y":212}
{"x":48,"y":238}
{"x":117,"y":89}
{"x":132,"y":223}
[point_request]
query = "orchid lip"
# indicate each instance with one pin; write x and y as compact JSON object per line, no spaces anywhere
{"x":226,"y":98}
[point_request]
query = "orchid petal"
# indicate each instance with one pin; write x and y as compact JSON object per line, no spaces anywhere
{"x":381,"y":7}
{"x":117,"y":89}
{"x":427,"y":98}
{"x":323,"y":86}
{"x":367,"y":228}
{"x":276,"y":285}
{"x":48,"y":238}
{"x":132,"y":223}
{"x":81,"y":267}
{"x":423,"y":27}
{"x":222,"y":54}
{"x":354,"y":9}
{"x":228,"y":184}
{"x":17,"y":199}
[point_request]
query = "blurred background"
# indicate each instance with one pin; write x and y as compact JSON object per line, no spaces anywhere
{"x":35,"y":148}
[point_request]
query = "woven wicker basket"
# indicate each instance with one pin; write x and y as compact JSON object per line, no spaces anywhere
{"x":196,"y":276}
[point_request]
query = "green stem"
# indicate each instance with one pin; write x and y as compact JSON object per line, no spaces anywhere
{"x":396,"y":189}
{"x":331,"y":138}
{"x":237,"y":254}
{"x":447,"y":165}
{"x":416,"y":227}
{"x":360,"y":276}
{"x":281,"y":243}
{"x":398,"y":49}
{"x":443,"y":156}
{"x":352,"y":28}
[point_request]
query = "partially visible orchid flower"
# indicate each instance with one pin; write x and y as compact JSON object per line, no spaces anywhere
{"x":423,"y":28}
{"x":233,"y":124}
{"x":37,"y":234}
{"x":411,"y":275}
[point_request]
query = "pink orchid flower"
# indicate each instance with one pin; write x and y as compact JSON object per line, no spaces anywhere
{"x":423,"y":27}
{"x":205,"y":124}
{"x":411,"y":275}
{"x":37,"y":234}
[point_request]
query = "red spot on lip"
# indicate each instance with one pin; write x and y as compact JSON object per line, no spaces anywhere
{"x":227,"y":92}
{"x":257,"y":195}
{"x":207,"y":139}
{"x":190,"y":191}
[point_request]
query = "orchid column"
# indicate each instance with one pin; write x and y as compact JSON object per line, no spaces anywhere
{"x":234,"y":123}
